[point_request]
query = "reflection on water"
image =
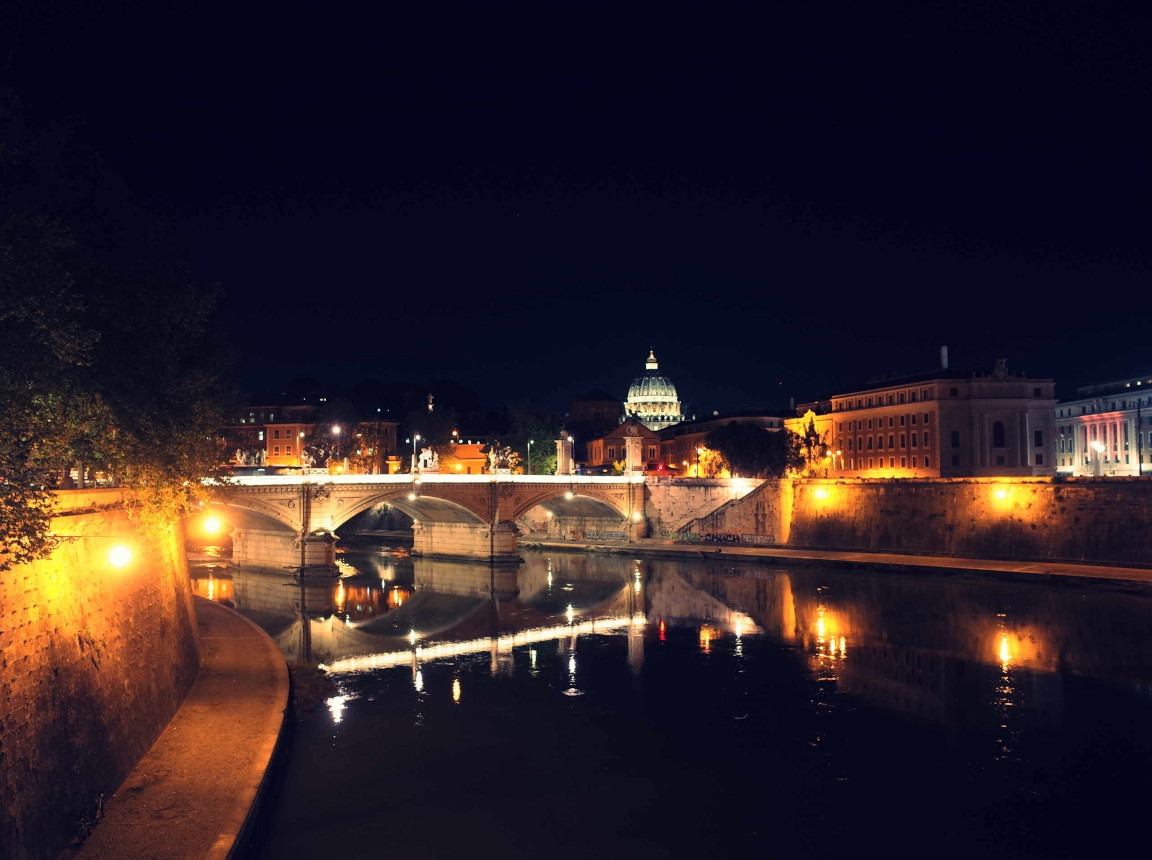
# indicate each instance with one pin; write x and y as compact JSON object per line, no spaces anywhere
{"x":982,"y":714}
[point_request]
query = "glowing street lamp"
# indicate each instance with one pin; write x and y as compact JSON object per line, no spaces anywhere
{"x":699,"y":451}
{"x":415,"y":439}
{"x":529,"y":461}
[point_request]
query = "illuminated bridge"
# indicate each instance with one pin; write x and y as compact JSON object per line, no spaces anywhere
{"x":288,"y":521}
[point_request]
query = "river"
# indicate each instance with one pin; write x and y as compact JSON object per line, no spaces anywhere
{"x":616,"y":707}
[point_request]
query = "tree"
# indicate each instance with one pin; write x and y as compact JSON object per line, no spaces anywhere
{"x":753,"y":451}
{"x":105,"y":367}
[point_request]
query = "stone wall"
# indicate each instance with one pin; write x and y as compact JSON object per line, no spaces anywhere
{"x":94,"y":662}
{"x":671,"y":505}
{"x":765,"y":512}
{"x":1104,"y":520}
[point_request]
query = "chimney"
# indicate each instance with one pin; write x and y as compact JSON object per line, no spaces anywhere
{"x":943,"y":358}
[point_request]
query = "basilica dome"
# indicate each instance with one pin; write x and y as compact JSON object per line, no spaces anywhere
{"x":652,"y":398}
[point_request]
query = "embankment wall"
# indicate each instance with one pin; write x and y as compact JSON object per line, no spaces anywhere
{"x":1106,"y":520}
{"x":94,"y":662}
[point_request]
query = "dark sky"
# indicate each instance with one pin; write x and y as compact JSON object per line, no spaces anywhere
{"x":527,"y":197}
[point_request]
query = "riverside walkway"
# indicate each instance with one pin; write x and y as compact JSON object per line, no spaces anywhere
{"x":192,"y":794}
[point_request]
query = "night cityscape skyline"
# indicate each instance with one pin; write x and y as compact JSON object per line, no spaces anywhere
{"x":526,"y":201}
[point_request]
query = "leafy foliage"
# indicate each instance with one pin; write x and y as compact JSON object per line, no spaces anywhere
{"x":104,"y":368}
{"x":754,"y":452}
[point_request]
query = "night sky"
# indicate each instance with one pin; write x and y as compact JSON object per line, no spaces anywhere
{"x":525,"y":198}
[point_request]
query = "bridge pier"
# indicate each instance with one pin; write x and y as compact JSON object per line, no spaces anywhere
{"x":279,"y":549}
{"x":474,"y":542}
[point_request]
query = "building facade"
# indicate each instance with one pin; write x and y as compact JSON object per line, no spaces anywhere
{"x":652,"y":398}
{"x":945,"y":424}
{"x":1107,"y":430}
{"x":681,"y":444}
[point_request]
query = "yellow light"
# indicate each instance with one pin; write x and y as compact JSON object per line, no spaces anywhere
{"x":636,"y":516}
{"x":1005,"y":654}
{"x":822,"y":493}
{"x":411,"y":497}
{"x":120,"y":555}
{"x":568,"y":494}
{"x":456,"y":690}
{"x":211,"y":525}
{"x":1003,"y":493}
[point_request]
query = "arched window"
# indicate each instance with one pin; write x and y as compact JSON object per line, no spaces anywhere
{"x":997,"y":434}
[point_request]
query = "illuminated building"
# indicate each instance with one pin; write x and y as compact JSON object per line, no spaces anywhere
{"x":942,"y":424}
{"x":1107,"y":431}
{"x":652,"y":398}
{"x":611,"y":448}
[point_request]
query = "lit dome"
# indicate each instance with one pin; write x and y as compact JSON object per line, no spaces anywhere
{"x":652,"y":398}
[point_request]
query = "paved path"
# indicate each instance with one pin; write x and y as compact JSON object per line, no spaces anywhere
{"x":887,"y":561}
{"x":190,"y":796}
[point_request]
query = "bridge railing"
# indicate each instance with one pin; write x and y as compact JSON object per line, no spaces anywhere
{"x":429,"y":478}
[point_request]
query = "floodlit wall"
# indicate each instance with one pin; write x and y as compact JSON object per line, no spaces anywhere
{"x":94,"y":662}
{"x":1103,"y":520}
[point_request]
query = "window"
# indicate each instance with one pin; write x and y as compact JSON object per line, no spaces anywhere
{"x":1038,"y":438}
{"x":903,"y":462}
{"x":261,"y":435}
{"x":612,"y":453}
{"x":287,"y":449}
{"x":955,"y":439}
{"x":901,"y":420}
{"x":915,"y":444}
{"x":903,"y":441}
{"x":925,"y":417}
{"x":913,"y":397}
{"x":276,"y":450}
{"x":901,"y":398}
{"x":889,"y":399}
{"x":928,"y":462}
{"x":869,"y":443}
{"x":869,"y":423}
{"x":998,"y":437}
{"x":891,"y":462}
{"x":913,"y":419}
{"x":955,"y":459}
{"x":891,"y":441}
{"x":925,"y":438}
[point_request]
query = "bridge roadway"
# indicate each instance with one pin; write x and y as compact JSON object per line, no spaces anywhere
{"x":289,"y":520}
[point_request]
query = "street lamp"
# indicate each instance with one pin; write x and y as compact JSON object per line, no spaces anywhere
{"x":415,"y":439}
{"x":529,"y":457}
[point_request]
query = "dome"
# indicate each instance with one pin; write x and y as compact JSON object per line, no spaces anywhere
{"x":652,"y":398}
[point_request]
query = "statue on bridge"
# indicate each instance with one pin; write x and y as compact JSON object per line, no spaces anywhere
{"x":429,"y":461}
{"x":501,"y":458}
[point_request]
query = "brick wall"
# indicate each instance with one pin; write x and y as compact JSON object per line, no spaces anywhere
{"x":94,"y":661}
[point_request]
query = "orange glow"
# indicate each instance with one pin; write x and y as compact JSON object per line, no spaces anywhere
{"x":707,"y":634}
{"x":456,"y":690}
{"x":120,"y":555}
{"x":212,"y":525}
{"x":822,"y":493}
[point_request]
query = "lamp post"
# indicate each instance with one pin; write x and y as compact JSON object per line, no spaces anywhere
{"x":529,"y":471}
{"x":415,"y":439}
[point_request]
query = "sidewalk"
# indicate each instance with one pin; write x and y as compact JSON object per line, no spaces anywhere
{"x":1007,"y":568}
{"x":190,"y":796}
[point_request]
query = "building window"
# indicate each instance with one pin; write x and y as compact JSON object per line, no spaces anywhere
{"x":913,"y":397}
{"x":889,"y":399}
{"x":955,"y":439}
{"x":287,"y":449}
{"x":901,"y":420}
{"x":903,"y":441}
{"x":891,"y":462}
{"x":928,"y":462}
{"x":1038,"y":438}
{"x":891,"y":441}
{"x":914,"y":442}
{"x":925,"y":417}
{"x":869,"y":443}
{"x":925,"y":438}
{"x":913,"y":419}
{"x":901,"y":399}
{"x":870,"y":461}
{"x":955,"y":459}
{"x":998,"y":436}
{"x":891,"y":421}
{"x":261,"y":435}
{"x":903,"y":462}
{"x":276,"y":450}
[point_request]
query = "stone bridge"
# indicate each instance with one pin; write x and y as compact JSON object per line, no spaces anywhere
{"x":288,"y":521}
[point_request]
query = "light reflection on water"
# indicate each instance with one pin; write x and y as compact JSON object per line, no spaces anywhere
{"x":827,"y":699}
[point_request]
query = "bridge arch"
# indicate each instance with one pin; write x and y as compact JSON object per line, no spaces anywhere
{"x":565,"y":502}
{"x":421,"y":507}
